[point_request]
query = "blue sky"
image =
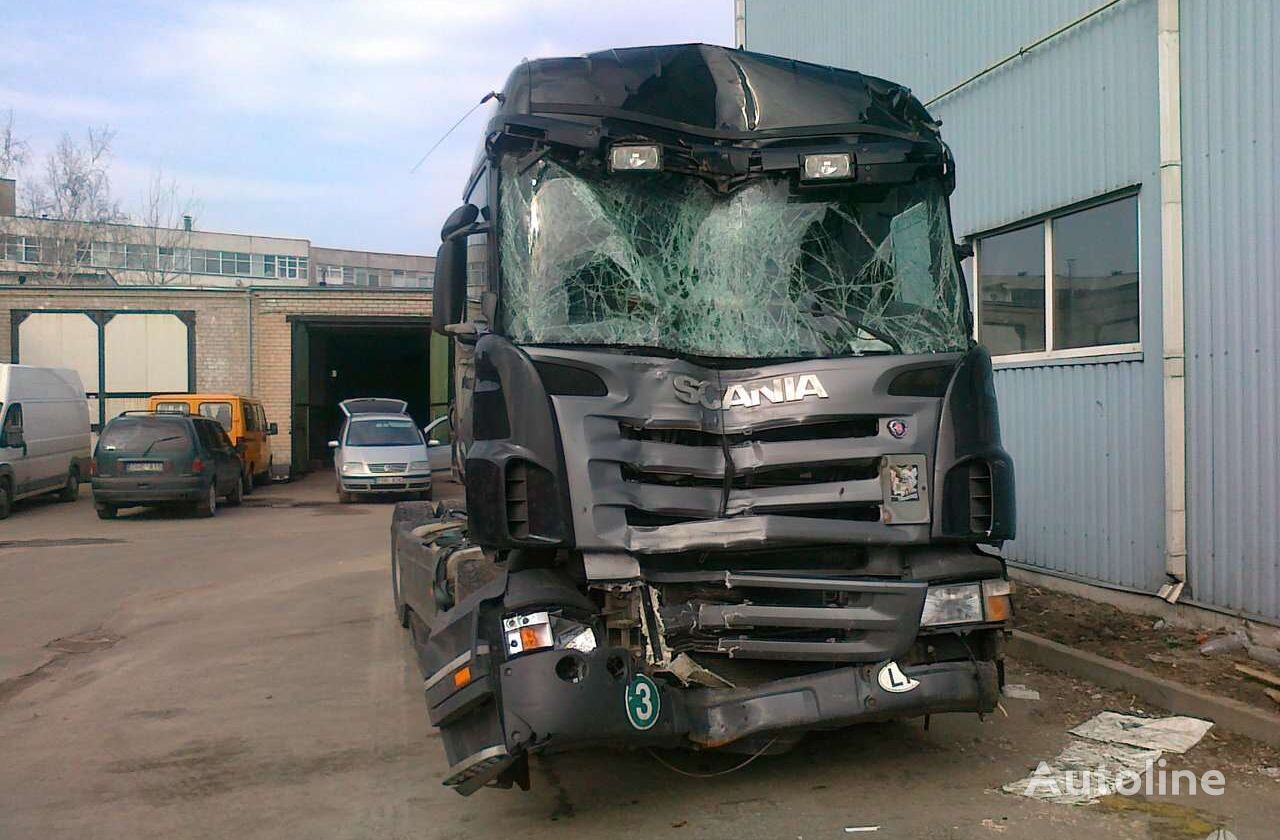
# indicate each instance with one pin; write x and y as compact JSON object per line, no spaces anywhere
{"x":302,"y":118}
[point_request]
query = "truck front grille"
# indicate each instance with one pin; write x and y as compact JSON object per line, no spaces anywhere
{"x":795,"y":618}
{"x":828,"y":469}
{"x":387,"y":468}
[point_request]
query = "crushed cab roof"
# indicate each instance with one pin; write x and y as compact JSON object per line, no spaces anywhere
{"x":716,"y":92}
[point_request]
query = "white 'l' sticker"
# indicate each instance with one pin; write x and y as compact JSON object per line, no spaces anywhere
{"x":892,"y":679}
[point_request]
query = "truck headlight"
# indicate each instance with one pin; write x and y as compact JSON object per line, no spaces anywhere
{"x":955,"y":603}
{"x":635,"y":157}
{"x":967,"y":603}
{"x":826,"y":167}
{"x":541,"y":630}
{"x":419,"y":466}
{"x":351,"y":467}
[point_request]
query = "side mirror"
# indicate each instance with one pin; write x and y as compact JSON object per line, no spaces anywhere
{"x":433,"y":442}
{"x":273,"y":429}
{"x":449,"y":291}
{"x":964,"y":250}
{"x":333,"y":444}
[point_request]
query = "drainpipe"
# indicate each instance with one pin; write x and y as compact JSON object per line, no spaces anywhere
{"x":248,"y":315}
{"x":740,"y":23}
{"x":1173,"y":340}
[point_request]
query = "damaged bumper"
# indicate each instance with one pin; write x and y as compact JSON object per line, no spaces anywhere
{"x":541,"y":709}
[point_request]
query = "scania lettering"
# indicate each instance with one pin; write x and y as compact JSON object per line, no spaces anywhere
{"x":731,"y":456}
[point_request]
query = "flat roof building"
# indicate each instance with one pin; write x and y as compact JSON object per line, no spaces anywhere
{"x":138,"y":310}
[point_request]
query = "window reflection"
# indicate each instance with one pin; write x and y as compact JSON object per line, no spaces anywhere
{"x":1011,"y":291}
{"x":1095,"y":276}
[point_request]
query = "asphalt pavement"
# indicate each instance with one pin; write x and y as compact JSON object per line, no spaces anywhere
{"x":244,"y":677}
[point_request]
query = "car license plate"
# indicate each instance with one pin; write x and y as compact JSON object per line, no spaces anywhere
{"x":389,"y":480}
{"x":145,"y":466}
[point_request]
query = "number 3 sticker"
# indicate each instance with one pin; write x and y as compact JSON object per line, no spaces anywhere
{"x":644,"y":703}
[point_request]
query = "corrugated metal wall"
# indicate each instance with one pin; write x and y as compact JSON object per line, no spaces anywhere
{"x":1073,"y":119}
{"x":1231,"y":191}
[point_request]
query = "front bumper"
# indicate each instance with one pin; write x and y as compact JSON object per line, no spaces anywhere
{"x":385,"y":483}
{"x":541,"y":709}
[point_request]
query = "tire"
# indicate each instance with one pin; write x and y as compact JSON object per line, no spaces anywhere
{"x":344,"y":498}
{"x":209,"y":506}
{"x":71,"y":490}
{"x":264,"y":478}
{"x":402,"y":609}
{"x":6,"y":499}
{"x":236,"y":496}
{"x":246,"y":482}
{"x":106,"y":511}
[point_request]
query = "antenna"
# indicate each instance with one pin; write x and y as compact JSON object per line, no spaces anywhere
{"x":493,"y":94}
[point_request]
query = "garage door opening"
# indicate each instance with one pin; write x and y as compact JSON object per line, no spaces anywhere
{"x":334,"y":361}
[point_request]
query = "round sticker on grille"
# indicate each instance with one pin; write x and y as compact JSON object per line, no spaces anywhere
{"x":897,"y":428}
{"x":644,"y":703}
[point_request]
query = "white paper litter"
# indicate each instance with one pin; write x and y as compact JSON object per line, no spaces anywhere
{"x":1066,"y":782}
{"x":1113,"y":744}
{"x":1173,"y":734}
{"x":1017,"y":691}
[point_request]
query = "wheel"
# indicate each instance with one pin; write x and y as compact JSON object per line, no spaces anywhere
{"x":106,"y":511}
{"x":344,"y":498}
{"x":264,"y":477}
{"x":209,"y":505}
{"x":236,"y":496}
{"x":397,"y":587}
{"x":71,"y":490}
{"x":6,"y":499}
{"x":246,"y":482}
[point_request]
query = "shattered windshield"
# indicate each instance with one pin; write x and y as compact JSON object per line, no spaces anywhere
{"x":661,"y":260}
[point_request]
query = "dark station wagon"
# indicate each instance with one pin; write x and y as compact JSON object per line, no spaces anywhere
{"x":144,"y":458}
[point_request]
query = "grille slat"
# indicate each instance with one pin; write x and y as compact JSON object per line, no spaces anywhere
{"x":980,"y":502}
{"x":388,"y":468}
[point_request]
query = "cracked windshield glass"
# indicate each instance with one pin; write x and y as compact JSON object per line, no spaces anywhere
{"x":663,"y":261}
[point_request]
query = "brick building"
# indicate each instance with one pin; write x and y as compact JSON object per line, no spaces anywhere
{"x":299,"y":350}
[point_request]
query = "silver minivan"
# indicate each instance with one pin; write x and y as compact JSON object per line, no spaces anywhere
{"x":44,"y":434}
{"x":380,"y":450}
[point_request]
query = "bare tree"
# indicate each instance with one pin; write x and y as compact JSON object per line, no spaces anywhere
{"x":165,"y":208}
{"x":13,"y":149}
{"x":73,"y":192}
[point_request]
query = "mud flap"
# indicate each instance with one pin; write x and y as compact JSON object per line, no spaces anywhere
{"x":461,"y":690}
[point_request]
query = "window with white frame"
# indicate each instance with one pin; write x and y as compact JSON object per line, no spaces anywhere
{"x":290,"y":267}
{"x":1090,"y":257}
{"x":107,"y":254}
{"x":22,"y":248}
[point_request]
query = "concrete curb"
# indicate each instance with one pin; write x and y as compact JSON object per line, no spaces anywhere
{"x":1230,"y":714}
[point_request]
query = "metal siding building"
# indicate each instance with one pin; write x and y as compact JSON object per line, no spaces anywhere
{"x":1231,"y":190}
{"x":1073,"y":119}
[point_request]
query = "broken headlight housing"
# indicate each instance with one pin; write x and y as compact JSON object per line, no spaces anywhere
{"x":966,"y":603}
{"x":527,"y":632}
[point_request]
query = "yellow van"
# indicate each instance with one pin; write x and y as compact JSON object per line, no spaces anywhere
{"x":242,"y":417}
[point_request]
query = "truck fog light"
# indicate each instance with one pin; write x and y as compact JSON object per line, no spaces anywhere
{"x":996,"y":601}
{"x":541,"y":630}
{"x":955,"y":603}
{"x":635,"y":158}
{"x":826,"y":167}
{"x":527,"y":632}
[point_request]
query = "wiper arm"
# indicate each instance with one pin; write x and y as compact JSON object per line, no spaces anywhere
{"x":879,"y":335}
{"x":147,"y":451}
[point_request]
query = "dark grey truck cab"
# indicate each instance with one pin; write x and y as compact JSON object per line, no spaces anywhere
{"x":732,"y":459}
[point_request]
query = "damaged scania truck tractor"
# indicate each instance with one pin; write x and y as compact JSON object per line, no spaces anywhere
{"x":731,"y":456}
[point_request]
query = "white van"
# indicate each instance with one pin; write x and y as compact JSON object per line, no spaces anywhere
{"x":44,"y":434}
